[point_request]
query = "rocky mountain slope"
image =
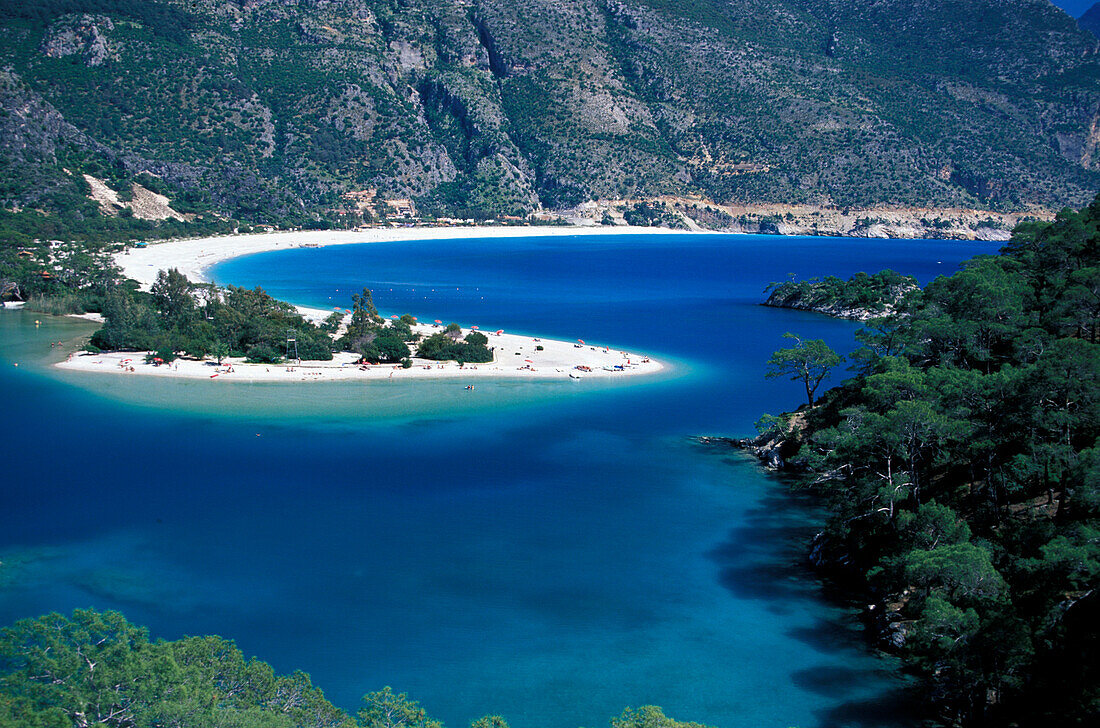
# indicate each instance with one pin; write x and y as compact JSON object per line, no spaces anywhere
{"x":272,"y":110}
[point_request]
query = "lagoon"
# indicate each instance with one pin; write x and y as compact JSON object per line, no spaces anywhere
{"x":551,"y":552}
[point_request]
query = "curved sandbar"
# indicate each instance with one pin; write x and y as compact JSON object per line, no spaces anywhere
{"x":514,"y":356}
{"x":195,"y":256}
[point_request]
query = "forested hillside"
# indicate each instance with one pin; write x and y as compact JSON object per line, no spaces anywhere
{"x":271,"y":110}
{"x":962,"y":470}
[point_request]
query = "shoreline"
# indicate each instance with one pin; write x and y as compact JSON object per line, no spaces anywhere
{"x":194,"y":257}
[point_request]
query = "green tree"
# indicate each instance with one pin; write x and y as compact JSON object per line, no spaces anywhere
{"x":364,"y":316}
{"x":386,"y":709}
{"x":933,"y":525}
{"x":942,"y":628}
{"x":649,"y":716}
{"x":476,"y":338}
{"x":172,"y":296}
{"x":97,"y":668}
{"x":962,"y":572}
{"x":490,"y":721}
{"x":808,"y":362}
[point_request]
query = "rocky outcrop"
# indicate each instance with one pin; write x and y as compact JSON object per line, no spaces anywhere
{"x":824,"y":220}
{"x":775,"y":447}
{"x":82,"y":35}
{"x":767,"y":450}
{"x":797,"y":299}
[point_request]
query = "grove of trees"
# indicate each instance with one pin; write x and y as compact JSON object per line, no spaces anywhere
{"x":178,"y":316}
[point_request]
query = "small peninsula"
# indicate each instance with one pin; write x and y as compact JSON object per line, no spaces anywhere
{"x":862,"y":297}
{"x":171,"y":326}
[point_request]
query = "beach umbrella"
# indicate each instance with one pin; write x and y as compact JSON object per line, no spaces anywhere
{"x":500,"y":331}
{"x":438,"y":321}
{"x":581,"y":340}
{"x":474,"y":328}
{"x":347,"y":310}
{"x":394,"y":316}
{"x":529,"y":361}
{"x":335,"y":308}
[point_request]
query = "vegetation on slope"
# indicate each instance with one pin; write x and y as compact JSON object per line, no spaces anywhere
{"x":962,"y":469}
{"x":95,"y":668}
{"x":271,"y":111}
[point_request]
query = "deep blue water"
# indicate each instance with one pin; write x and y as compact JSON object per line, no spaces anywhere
{"x":549,"y":552}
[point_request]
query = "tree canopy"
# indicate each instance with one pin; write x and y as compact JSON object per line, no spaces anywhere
{"x":808,"y":362}
{"x":96,"y":669}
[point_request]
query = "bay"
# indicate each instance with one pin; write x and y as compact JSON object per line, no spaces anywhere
{"x":551,"y":552}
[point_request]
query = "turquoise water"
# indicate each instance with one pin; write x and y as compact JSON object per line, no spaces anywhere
{"x":551,"y":552}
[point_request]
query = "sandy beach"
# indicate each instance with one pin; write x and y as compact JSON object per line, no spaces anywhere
{"x":514,"y":356}
{"x":194,"y":256}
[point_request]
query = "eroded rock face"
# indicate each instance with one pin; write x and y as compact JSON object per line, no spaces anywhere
{"x":83,"y":35}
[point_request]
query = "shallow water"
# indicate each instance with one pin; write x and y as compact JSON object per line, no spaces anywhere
{"x":552,"y":552}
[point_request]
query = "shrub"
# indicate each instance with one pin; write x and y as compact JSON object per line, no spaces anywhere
{"x":263,"y":354}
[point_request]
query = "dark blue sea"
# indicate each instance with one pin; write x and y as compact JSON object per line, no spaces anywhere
{"x":551,"y":552}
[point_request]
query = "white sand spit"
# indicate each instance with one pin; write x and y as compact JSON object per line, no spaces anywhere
{"x":513,"y":357}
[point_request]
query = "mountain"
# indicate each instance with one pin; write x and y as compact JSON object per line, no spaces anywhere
{"x":273,"y":110}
